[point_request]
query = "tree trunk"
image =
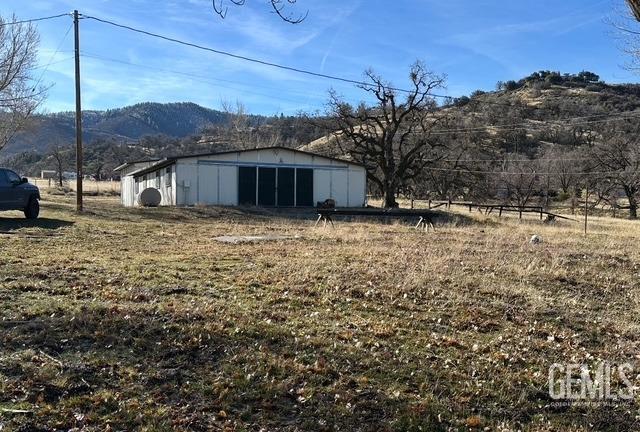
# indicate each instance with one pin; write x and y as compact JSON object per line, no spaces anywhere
{"x":633,"y":207}
{"x":389,"y":196}
{"x":633,"y":202}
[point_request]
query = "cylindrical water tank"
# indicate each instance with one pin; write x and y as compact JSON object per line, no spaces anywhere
{"x":150,"y":197}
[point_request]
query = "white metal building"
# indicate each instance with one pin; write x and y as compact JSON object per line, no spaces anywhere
{"x":269,"y":177}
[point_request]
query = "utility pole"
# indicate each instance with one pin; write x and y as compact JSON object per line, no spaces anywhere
{"x":79,"y":158}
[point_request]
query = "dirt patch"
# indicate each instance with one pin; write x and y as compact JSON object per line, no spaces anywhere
{"x":254,"y":239}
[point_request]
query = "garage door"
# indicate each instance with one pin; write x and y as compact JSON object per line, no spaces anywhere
{"x":304,"y":187}
{"x":286,"y":187}
{"x":267,"y":187}
{"x":247,"y":186}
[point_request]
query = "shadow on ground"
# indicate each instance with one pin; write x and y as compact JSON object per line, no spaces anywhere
{"x":13,"y":224}
{"x":183,"y":374}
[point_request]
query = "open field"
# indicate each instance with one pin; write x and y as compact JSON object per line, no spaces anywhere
{"x":88,"y":186}
{"x":134,"y":319}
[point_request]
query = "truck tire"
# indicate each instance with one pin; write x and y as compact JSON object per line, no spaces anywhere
{"x":33,"y":208}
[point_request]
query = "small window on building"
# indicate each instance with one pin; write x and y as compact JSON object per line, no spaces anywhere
{"x":158,"y":179}
{"x":137,"y":186}
{"x":169,"y":178}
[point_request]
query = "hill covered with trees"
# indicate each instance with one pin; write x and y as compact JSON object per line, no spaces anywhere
{"x":124,"y":124}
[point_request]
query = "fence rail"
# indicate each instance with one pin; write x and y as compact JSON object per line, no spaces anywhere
{"x":490,"y":208}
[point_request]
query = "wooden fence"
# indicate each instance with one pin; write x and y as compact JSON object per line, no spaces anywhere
{"x":490,"y":208}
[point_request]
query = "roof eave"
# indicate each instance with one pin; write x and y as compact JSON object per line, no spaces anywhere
{"x":130,"y":163}
{"x":155,"y":167}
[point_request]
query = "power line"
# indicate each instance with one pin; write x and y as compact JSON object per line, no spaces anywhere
{"x":207,"y":79}
{"x":559,"y":122}
{"x":532,"y":173}
{"x":271,"y":64}
{"x":514,"y":160}
{"x":195,"y":77}
{"x":288,"y":68}
{"x":241,"y":57}
{"x":321,"y":75}
{"x":4,"y":24}
{"x":254,"y":60}
{"x":53,"y":56}
{"x":52,"y":63}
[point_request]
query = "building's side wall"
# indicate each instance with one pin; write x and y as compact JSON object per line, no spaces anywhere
{"x":228,"y":185}
{"x":127,"y":195}
{"x":207,"y":184}
{"x":163,"y":179}
{"x":213,"y":180}
{"x":357,"y":186}
{"x":127,"y":183}
{"x":346,"y":186}
{"x":167,"y":185}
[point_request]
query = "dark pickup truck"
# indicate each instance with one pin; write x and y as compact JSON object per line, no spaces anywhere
{"x":17,"y":193}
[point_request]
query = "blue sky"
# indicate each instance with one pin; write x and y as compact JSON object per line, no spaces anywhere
{"x":474,"y":42}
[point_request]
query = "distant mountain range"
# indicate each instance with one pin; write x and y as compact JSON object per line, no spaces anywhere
{"x":127,"y":124}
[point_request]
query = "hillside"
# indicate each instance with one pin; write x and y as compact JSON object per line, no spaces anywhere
{"x":535,"y":110}
{"x":124,"y":124}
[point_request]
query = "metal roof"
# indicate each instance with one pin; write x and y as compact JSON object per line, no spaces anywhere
{"x":129,"y":163}
{"x":170,"y":161}
{"x":163,"y":163}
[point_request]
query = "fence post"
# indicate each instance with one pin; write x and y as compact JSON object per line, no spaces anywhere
{"x":586,"y":209}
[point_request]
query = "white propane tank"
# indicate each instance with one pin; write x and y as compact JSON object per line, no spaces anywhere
{"x":150,"y":197}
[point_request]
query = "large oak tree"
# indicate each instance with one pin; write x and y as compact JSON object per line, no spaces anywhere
{"x":393,"y":137}
{"x":616,"y":162}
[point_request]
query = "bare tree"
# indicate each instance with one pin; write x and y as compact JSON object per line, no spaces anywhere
{"x":238,"y":117}
{"x":59,"y":154}
{"x":564,"y":167}
{"x":239,"y":131}
{"x":625,"y":21}
{"x":278,"y":6}
{"x":520,"y":182}
{"x":617,"y":162}
{"x":393,"y":138}
{"x":635,"y":8}
{"x":19,"y":95}
{"x":460,"y":174}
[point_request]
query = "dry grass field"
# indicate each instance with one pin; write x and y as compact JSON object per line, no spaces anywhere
{"x":89,"y":186}
{"x":123,"y":319}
